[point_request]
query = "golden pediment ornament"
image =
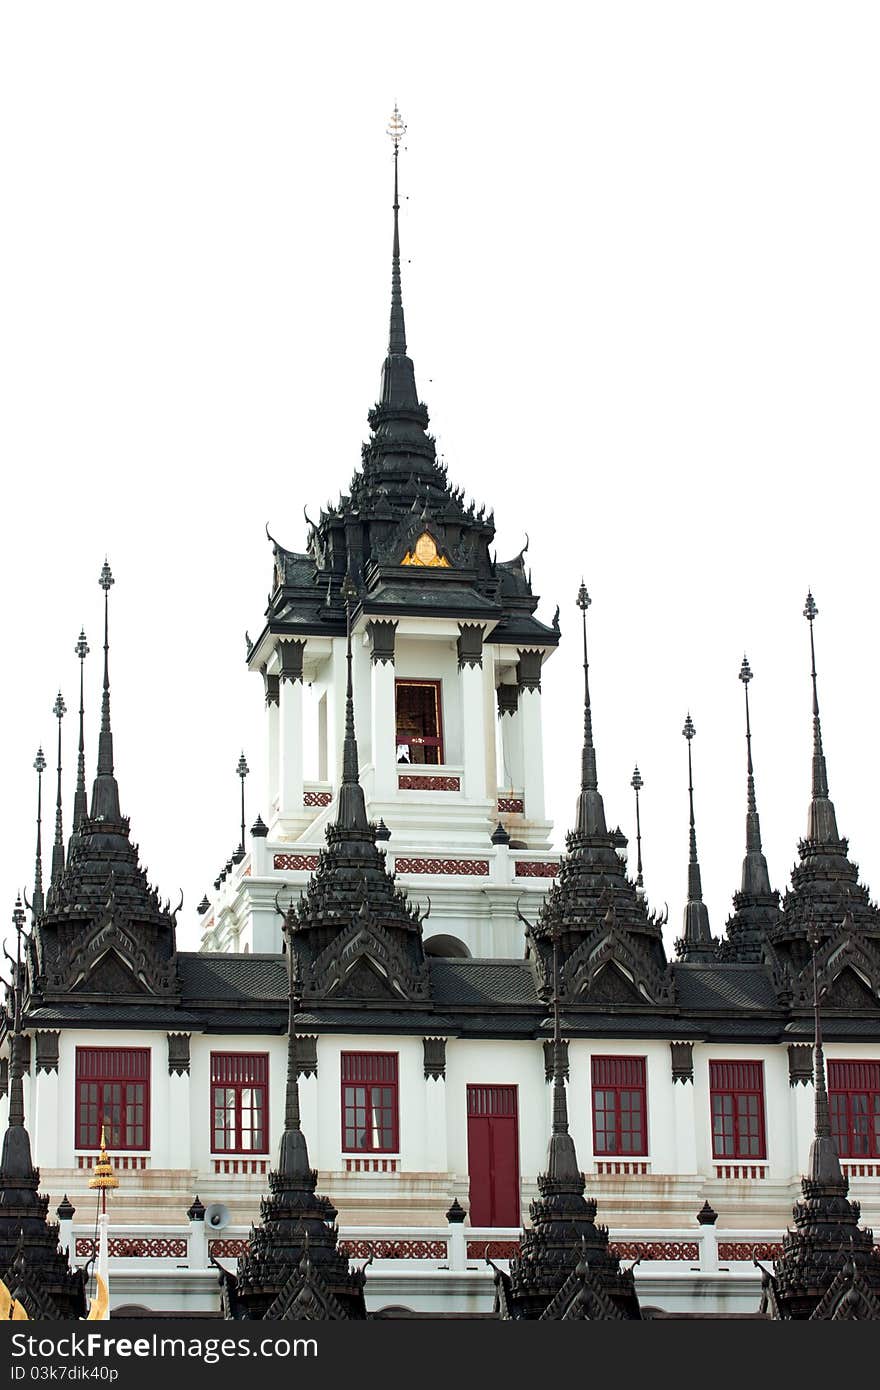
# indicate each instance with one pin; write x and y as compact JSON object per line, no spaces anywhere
{"x":425,"y":553}
{"x":12,"y":1310}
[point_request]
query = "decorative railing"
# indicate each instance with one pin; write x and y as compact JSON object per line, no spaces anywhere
{"x":137,"y":1247}
{"x":394,"y":1249}
{"x":304,"y":862}
{"x":467,"y":868}
{"x":749,"y":1250}
{"x":536,"y":868}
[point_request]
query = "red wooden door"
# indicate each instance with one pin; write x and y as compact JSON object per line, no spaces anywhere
{"x":493,"y":1156}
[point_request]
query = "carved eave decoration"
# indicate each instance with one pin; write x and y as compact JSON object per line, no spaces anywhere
{"x":839,"y":954}
{"x":579,"y":1300}
{"x":634,"y":979}
{"x":365,"y":961}
{"x":113,"y":958}
{"x":306,"y":1298}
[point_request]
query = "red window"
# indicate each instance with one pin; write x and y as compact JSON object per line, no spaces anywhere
{"x":737,"y":1099}
{"x":419,"y":729}
{"x":493,"y":1156}
{"x":240,"y":1102}
{"x":369,"y":1102}
{"x":620,"y":1106}
{"x":113,"y":1091}
{"x":854,"y":1098}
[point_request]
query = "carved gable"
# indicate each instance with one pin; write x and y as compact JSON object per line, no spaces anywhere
{"x":611,"y":986}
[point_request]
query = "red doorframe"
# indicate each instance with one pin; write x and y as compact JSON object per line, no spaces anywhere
{"x":493,"y":1156}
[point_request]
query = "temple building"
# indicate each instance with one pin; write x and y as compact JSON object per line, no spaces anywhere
{"x":517,"y":1102}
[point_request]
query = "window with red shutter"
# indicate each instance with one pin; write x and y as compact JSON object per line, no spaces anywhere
{"x":620,"y":1108}
{"x":369,"y":1102}
{"x":113,"y":1091}
{"x":854,"y":1099}
{"x":240,"y":1102}
{"x":736,"y":1092}
{"x":419,"y":724}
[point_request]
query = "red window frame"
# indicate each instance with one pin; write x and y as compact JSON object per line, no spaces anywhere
{"x":113,"y":1090}
{"x":240,"y":1076}
{"x":369,"y":1092}
{"x":620,"y":1106}
{"x":736,"y":1107}
{"x":854,"y":1101}
{"x":422,"y":740}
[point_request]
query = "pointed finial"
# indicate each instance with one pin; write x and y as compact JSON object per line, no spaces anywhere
{"x":824,"y":1161}
{"x":39,"y":901}
{"x":59,"y":709}
{"x":591,"y":809}
{"x":396,"y":127}
{"x":637,"y":785}
{"x":293,"y":1159}
{"x":397,"y":333}
{"x":822,"y":821}
{"x":105,"y":792}
{"x":562,"y":1157}
{"x":697,"y":942}
{"x":16,"y":1144}
{"x":242,"y":771}
{"x":755,"y":874}
{"x":80,"y":803}
{"x":352,"y":807}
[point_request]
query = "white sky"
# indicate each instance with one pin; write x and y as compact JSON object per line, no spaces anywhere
{"x":642,"y":295}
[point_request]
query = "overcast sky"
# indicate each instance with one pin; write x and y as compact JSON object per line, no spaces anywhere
{"x":642,"y":294}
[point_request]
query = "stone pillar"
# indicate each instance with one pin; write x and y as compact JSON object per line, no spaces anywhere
{"x":708,"y":1240}
{"x":384,"y":714}
{"x":528,"y":673}
{"x":456,"y":1244}
{"x":470,"y":665}
{"x":291,"y":727}
{"x":198,"y":1236}
{"x":271,"y":684}
{"x":435,"y":1103}
{"x":511,"y":775}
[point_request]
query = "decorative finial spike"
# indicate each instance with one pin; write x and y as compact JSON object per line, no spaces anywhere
{"x":755,"y":875}
{"x":80,"y":803}
{"x":105,"y":792}
{"x":822,"y":820}
{"x":637,"y":783}
{"x":396,"y":127}
{"x":39,"y":901}
{"x":352,"y":806}
{"x":242,"y":770}
{"x":591,"y":809}
{"x":824,"y":1161}
{"x":697,"y":942}
{"x":59,"y":709}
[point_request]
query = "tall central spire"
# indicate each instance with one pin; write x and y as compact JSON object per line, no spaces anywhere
{"x":755,"y":874}
{"x":591,"y":810}
{"x":105,"y":792}
{"x":822,"y":822}
{"x":697,"y":943}
{"x":398,"y":377}
{"x":352,"y":807}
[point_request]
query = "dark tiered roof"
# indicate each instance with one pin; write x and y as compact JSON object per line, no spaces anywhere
{"x":400,"y":492}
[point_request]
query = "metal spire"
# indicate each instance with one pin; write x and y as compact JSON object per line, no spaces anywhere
{"x":39,"y":901}
{"x":398,"y":388}
{"x":822,"y":821}
{"x":591,"y":810}
{"x":755,"y":874}
{"x":824,"y":1162}
{"x":105,"y":793}
{"x":242,"y":771}
{"x":16,"y":1161}
{"x":561,"y":1158}
{"x":352,"y":807}
{"x":397,"y":332}
{"x":293,"y":1159}
{"x":637,"y":785}
{"x":59,"y":709}
{"x":698,"y":943}
{"x":80,"y":802}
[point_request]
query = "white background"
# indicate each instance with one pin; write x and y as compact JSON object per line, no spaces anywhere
{"x":641,"y":285}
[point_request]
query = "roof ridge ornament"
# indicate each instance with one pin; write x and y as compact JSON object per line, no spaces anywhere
{"x":80,"y":801}
{"x":637,"y":783}
{"x":39,"y":900}
{"x":822,"y":821}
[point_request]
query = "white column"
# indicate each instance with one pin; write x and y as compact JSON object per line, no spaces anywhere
{"x":291,"y":746}
{"x":435,"y":1123}
{"x":473,"y":732}
{"x":511,"y":775}
{"x":384,"y":732}
{"x":180,"y":1131}
{"x":272,"y":741}
{"x":708,"y":1248}
{"x":65,"y":1231}
{"x":529,"y":715}
{"x":44,"y":1122}
{"x":198,"y":1243}
{"x":684,"y":1123}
